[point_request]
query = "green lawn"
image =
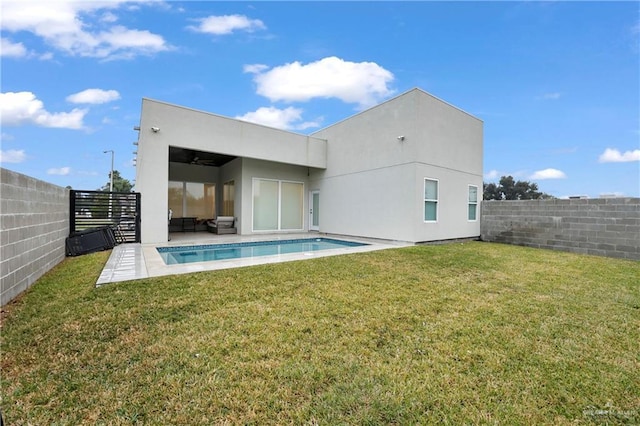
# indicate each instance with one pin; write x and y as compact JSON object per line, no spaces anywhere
{"x":473,"y":333}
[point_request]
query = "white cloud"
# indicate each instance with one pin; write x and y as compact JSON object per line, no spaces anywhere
{"x":254,"y":68}
{"x":491,"y":175}
{"x":6,"y":136}
{"x":12,"y":156}
{"x":66,"y":25}
{"x":18,"y":50}
{"x":108,"y":17}
{"x":611,"y":155}
{"x":10,"y":49}
{"x":364,"y":83}
{"x":94,"y":96}
{"x":287,"y":118}
{"x":614,"y":194}
{"x":548,"y":174}
{"x":227,"y":24}
{"x":126,"y":43}
{"x":309,"y":124}
{"x":24,"y":108}
{"x":563,"y":151}
{"x":62,"y":171}
{"x":550,"y":96}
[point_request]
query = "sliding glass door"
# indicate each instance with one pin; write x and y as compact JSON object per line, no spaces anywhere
{"x":291,"y":200}
{"x":277,"y":205}
{"x":265,"y":205}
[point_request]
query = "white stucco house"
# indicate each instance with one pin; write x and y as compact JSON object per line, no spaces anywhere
{"x":408,"y":169}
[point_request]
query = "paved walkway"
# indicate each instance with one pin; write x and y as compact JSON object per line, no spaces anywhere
{"x":125,"y":263}
{"x":135,"y":261}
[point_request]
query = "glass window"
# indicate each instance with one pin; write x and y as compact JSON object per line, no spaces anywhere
{"x":228,"y":199}
{"x":176,"y":190}
{"x":430,"y":200}
{"x":265,"y":205}
{"x":192,"y":199}
{"x":200,"y":200}
{"x":473,"y":203}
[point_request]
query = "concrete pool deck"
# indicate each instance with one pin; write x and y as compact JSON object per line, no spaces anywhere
{"x":135,"y":261}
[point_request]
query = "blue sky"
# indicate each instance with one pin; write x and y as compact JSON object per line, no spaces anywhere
{"x":557,"y":84}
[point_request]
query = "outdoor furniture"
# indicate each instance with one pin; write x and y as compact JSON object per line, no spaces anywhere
{"x":222,"y":225}
{"x":189,"y":224}
{"x":90,"y":240}
{"x":182,"y":224}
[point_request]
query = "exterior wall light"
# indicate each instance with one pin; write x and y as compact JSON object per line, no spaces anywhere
{"x":400,"y":138}
{"x":155,"y":129}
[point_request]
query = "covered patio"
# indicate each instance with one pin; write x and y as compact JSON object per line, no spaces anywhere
{"x":196,"y":191}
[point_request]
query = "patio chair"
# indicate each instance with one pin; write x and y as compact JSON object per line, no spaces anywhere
{"x":222,"y":225}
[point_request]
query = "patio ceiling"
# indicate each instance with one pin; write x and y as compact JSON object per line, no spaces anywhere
{"x":202,"y":158}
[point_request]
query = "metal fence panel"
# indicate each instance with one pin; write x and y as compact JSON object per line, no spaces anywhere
{"x":118,"y":210}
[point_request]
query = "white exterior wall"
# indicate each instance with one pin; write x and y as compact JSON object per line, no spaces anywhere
{"x":370,"y":203}
{"x":453,"y":189}
{"x":374,"y":183}
{"x":188,"y":128}
{"x":152,"y":181}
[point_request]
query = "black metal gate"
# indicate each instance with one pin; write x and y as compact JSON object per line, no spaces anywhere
{"x":117,"y":210}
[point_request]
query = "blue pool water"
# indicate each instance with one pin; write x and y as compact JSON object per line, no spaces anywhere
{"x":204,"y":253}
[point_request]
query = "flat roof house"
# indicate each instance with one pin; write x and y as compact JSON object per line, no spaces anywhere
{"x":408,"y":169}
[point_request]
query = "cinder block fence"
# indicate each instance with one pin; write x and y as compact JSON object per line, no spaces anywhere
{"x":34,"y":222}
{"x":599,"y":226}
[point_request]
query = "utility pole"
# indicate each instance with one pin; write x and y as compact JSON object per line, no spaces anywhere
{"x":110,"y":174}
{"x":110,"y":183}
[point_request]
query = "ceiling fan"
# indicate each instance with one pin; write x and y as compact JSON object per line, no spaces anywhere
{"x":202,"y":161}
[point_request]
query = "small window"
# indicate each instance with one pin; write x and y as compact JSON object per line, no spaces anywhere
{"x":473,"y":203}
{"x":430,"y":200}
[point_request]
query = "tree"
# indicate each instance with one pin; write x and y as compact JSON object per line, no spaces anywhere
{"x":509,"y":189}
{"x":491,"y":192}
{"x":106,"y":206}
{"x":120,"y":184}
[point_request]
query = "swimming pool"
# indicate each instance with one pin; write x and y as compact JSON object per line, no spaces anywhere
{"x":211,"y":252}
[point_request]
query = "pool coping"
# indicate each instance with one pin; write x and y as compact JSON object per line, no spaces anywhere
{"x":136,"y":261}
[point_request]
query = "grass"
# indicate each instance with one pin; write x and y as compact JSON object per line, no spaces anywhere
{"x":473,"y":333}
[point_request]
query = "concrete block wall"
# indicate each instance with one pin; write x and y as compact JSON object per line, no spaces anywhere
{"x":34,"y":222}
{"x":599,"y":226}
